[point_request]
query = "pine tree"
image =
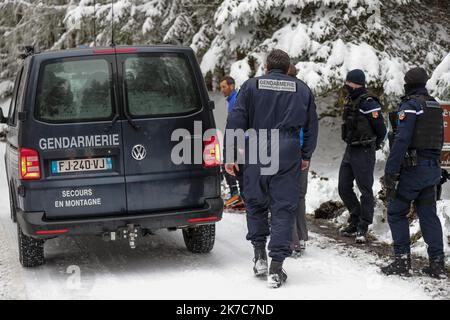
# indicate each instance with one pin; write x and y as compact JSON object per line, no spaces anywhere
{"x":325,"y":38}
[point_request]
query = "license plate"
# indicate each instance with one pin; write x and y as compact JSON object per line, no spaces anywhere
{"x":81,"y":165}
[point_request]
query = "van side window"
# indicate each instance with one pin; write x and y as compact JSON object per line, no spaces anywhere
{"x":160,"y":85}
{"x":74,"y":91}
{"x":14,"y":100}
{"x":20,"y":94}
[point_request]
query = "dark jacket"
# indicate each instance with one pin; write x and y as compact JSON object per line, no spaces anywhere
{"x":410,"y":110}
{"x":277,"y":101}
{"x":371,"y":109}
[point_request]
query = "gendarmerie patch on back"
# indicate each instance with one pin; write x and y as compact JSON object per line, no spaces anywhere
{"x":277,"y":85}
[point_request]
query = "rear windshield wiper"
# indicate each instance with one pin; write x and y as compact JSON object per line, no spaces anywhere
{"x":131,"y":122}
{"x":125,"y":111}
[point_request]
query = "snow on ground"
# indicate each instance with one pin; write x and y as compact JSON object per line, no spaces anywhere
{"x":162,"y":268}
{"x":11,"y":276}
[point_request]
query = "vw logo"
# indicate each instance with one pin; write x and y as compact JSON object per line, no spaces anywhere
{"x":138,"y":152}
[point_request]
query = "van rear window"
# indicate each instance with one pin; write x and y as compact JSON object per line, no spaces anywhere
{"x":160,"y":85}
{"x":71,"y":91}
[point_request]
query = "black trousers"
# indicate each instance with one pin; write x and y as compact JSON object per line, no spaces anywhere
{"x":417,"y":184}
{"x":358,"y":165}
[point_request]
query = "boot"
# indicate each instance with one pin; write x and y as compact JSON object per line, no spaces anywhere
{"x":361,"y":237}
{"x":260,"y":260}
{"x":233,"y":191}
{"x":277,"y":276}
{"x":299,"y":249}
{"x":302,"y":245}
{"x":401,"y":266}
{"x":348,"y":231}
{"x":436,"y":269}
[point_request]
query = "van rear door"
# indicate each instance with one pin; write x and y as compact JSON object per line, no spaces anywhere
{"x":75,"y":136}
{"x":163,"y":91}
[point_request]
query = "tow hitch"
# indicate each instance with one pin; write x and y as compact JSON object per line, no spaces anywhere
{"x":130,"y":233}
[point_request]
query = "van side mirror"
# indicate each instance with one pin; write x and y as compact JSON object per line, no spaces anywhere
{"x":211,"y":105}
{"x":3,"y":119}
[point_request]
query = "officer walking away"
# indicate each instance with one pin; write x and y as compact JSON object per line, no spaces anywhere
{"x":274,"y":101}
{"x":300,"y":230}
{"x":235,"y":183}
{"x":364,"y":131}
{"x":412,"y":173}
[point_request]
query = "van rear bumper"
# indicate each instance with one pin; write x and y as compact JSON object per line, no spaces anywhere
{"x":35,"y":224}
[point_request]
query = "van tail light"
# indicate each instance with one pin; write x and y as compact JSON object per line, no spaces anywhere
{"x":29,"y":166}
{"x":211,"y":152}
{"x":194,"y":220}
{"x":54,"y":231}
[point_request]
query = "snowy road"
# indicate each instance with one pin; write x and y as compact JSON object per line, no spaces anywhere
{"x":162,"y":268}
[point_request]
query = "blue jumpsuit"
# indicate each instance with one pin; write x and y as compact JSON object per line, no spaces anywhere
{"x":275,"y":101}
{"x":417,"y":183}
{"x":358,"y":165}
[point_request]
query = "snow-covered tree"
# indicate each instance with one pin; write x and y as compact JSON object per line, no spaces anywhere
{"x":328,"y":38}
{"x":23,"y":23}
{"x":325,"y":38}
{"x":61,"y":24}
{"x":440,"y":80}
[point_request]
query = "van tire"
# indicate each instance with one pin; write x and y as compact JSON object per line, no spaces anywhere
{"x":31,"y":251}
{"x":200,"y":239}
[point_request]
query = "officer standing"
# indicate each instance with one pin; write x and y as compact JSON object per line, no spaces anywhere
{"x":412,"y":173}
{"x":274,"y":101}
{"x":364,"y":131}
{"x":236,"y":184}
{"x":300,"y":230}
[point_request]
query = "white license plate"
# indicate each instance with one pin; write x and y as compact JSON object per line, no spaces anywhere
{"x":81,"y":165}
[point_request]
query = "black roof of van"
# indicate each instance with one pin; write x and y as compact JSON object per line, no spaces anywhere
{"x":52,"y":54}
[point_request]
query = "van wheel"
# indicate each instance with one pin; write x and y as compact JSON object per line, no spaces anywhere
{"x":31,"y":251}
{"x":200,"y":239}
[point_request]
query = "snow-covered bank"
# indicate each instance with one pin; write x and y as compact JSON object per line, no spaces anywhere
{"x":161,"y":268}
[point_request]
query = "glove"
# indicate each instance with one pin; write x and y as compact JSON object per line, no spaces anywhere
{"x":390,"y":183}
